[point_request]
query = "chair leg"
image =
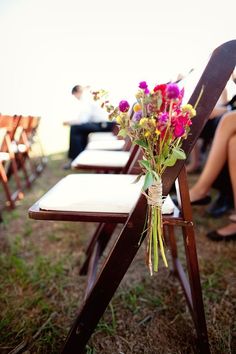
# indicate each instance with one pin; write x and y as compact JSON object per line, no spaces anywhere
{"x":17,"y":179}
{"x":5,"y":187}
{"x":101,"y":235}
{"x":192,"y":266}
{"x":196,"y":291}
{"x":21,"y":162}
{"x":111,"y":274}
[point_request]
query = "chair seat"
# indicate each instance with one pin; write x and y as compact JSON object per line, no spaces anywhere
{"x":18,"y":147}
{"x":93,"y":193}
{"x":4,"y":156}
{"x":101,"y":136}
{"x":113,"y":144}
{"x":101,"y":158}
{"x":101,"y":193}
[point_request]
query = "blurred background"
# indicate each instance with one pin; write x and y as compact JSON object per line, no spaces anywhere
{"x":47,"y":47}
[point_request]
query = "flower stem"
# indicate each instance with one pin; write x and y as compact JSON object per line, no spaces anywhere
{"x":160,"y":236}
{"x":154,"y":238}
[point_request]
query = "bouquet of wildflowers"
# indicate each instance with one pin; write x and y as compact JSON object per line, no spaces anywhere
{"x":158,"y":124}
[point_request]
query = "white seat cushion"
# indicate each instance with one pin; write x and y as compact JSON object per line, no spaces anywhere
{"x":101,"y":136}
{"x":101,"y":158}
{"x":104,"y":193}
{"x":168,"y":206}
{"x":106,"y":145}
{"x":93,"y":193}
{"x":4,"y":156}
{"x":18,"y":147}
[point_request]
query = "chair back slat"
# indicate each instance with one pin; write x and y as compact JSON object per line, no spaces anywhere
{"x":213,"y":80}
{"x":10,"y":123}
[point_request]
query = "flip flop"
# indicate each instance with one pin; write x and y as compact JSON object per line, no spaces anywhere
{"x":215,"y":236}
{"x":202,"y":201}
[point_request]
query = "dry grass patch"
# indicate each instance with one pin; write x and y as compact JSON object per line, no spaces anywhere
{"x":40,"y":288}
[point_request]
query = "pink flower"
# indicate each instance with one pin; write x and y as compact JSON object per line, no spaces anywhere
{"x":179,"y":129}
{"x":172,"y":91}
{"x":124,"y":106}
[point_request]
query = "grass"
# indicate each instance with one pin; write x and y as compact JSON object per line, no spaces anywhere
{"x":40,"y":288}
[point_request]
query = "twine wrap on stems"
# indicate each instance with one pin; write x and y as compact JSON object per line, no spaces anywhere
{"x":155,"y":229}
{"x":154,"y":197}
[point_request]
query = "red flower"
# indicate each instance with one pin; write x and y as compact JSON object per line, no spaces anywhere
{"x":161,"y":88}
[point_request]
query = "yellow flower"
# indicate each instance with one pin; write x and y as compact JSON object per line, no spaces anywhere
{"x":138,"y":95}
{"x":193,"y":112}
{"x":147,"y":134}
{"x":153,"y":121}
{"x":189,"y":108}
{"x":158,"y":132}
{"x":143,"y":121}
{"x":118,"y":119}
{"x":137,"y":107}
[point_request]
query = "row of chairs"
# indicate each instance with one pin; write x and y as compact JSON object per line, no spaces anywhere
{"x":106,"y":153}
{"x":112,"y":199}
{"x":18,"y":167}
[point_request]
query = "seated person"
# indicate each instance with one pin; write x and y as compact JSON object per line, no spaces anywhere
{"x":223,"y":150}
{"x":91,"y":118}
{"x":225,"y":103}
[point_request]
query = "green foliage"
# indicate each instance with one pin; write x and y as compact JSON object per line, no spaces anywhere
{"x":148,"y":181}
{"x":141,"y":143}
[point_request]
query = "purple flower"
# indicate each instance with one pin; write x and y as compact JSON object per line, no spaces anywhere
{"x":172,"y":91}
{"x":143,"y":85}
{"x":137,"y":116}
{"x":163,"y":118}
{"x":124,"y":106}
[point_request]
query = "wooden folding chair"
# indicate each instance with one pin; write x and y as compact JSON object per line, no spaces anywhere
{"x":106,"y":155}
{"x":22,"y":147}
{"x":8,"y":126}
{"x":132,"y":213}
{"x":105,"y":142}
{"x":36,"y":145}
{"x":108,"y":140}
{"x":104,"y":161}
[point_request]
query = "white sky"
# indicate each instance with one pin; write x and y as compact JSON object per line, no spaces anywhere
{"x":48,"y":46}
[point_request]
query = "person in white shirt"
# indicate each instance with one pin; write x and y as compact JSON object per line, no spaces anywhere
{"x":91,"y":118}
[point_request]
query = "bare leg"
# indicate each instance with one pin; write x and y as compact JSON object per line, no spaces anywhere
{"x":231,"y":228}
{"x":217,"y":156}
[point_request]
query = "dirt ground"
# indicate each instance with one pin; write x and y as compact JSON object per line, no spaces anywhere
{"x":40,"y":288}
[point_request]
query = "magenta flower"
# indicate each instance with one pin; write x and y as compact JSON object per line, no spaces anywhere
{"x":124,"y":106}
{"x":143,"y":85}
{"x":179,"y":130}
{"x":172,"y":91}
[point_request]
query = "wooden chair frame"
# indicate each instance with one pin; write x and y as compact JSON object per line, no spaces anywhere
{"x":101,"y":289}
{"x":9,"y":123}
